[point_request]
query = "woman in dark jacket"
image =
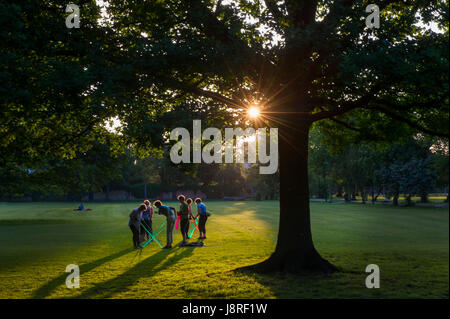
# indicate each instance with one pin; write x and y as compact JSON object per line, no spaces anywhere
{"x":134,"y":224}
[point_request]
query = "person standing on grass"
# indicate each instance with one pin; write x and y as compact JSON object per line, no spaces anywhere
{"x":134,"y":224}
{"x":170,"y":214}
{"x":189,"y":201}
{"x":184,"y":218}
{"x":146,"y":221}
{"x":202,"y":215}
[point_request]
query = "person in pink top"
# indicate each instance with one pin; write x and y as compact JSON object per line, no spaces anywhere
{"x":189,"y":202}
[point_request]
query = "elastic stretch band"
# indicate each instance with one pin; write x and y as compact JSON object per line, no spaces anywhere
{"x":153,"y":237}
{"x":194,"y":226}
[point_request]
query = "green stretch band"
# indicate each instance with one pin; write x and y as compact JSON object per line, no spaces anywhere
{"x":153,"y":237}
{"x":149,"y":240}
{"x":191,"y":232}
{"x":160,"y":229}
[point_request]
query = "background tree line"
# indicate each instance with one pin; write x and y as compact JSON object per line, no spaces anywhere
{"x":415,"y":167}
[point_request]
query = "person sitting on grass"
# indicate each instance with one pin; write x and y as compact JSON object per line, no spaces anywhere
{"x":134,"y":224}
{"x":202,"y":215}
{"x":169,"y":212}
{"x":184,"y":218}
{"x":146,"y":221}
{"x":80,"y":208}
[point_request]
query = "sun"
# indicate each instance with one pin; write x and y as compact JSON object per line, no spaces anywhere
{"x":253,"y":112}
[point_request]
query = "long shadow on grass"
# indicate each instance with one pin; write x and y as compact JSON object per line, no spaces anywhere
{"x":306,"y":285}
{"x":47,"y":289}
{"x":145,"y":269}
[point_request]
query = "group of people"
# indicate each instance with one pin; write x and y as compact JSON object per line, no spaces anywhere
{"x":141,"y":224}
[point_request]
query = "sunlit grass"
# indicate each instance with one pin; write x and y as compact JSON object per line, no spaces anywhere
{"x":38,"y":241}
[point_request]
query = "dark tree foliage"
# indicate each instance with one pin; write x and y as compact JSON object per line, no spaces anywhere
{"x":303,"y":61}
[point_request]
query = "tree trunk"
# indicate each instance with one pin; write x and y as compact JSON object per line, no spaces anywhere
{"x":424,"y":198}
{"x":408,"y":200}
{"x":395,"y":200}
{"x":347,"y":198}
{"x":295,"y":250}
{"x":107,"y":192}
{"x":375,"y":197}
{"x":372,"y":194}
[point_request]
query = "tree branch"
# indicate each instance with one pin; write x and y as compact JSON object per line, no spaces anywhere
{"x":340,"y":109}
{"x":204,"y":93}
{"x":274,"y":10}
{"x":346,"y":125}
{"x":355,"y":129}
{"x":410,"y":122}
{"x":363,"y":102}
{"x":336,"y":10}
{"x":206,"y":20}
{"x":302,"y":13}
{"x":71,"y":138}
{"x":339,"y":7}
{"x":215,"y":96}
{"x":218,"y":6}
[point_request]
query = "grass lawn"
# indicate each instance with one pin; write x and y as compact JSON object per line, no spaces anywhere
{"x":38,"y":241}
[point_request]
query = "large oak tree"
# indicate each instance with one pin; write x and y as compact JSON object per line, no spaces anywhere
{"x":303,"y":62}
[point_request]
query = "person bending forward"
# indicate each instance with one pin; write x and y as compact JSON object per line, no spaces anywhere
{"x":134,"y":224}
{"x":169,"y":212}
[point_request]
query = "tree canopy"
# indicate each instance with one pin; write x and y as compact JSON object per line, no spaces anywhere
{"x":153,"y":65}
{"x":148,"y":57}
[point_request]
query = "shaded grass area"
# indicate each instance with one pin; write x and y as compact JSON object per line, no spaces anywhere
{"x":38,"y":241}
